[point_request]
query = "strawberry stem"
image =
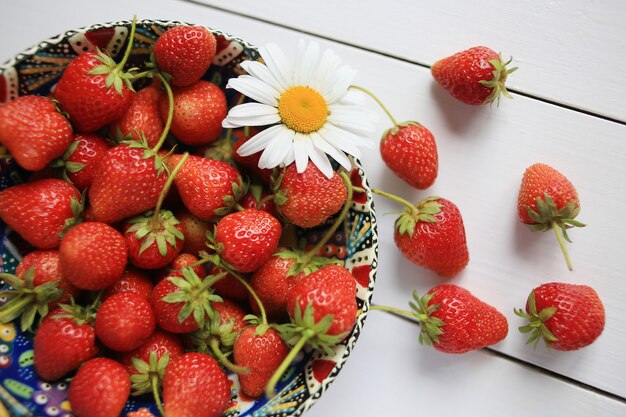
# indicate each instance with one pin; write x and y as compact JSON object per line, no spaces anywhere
{"x":555,"y":227}
{"x":270,"y":389}
{"x":129,"y":47}
{"x":166,"y":188}
{"x":380,"y":103}
{"x":252,"y":293}
{"x":397,"y":199}
{"x":170,"y":112}
{"x":339,"y":220}
{"x":393,"y":310}
{"x":154,"y":380}
{"x":215,"y":348}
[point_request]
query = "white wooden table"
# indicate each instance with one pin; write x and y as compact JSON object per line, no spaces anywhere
{"x":569,"y":110}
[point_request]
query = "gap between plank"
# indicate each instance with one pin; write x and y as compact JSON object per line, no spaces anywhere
{"x":408,"y":61}
{"x":531,"y":366}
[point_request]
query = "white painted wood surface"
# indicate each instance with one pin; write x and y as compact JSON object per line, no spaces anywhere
{"x":568,"y":51}
{"x":483,"y":153}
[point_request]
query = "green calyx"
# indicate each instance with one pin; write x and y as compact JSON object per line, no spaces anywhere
{"x":430,"y":327}
{"x":148,"y":153}
{"x":77,"y":206}
{"x":67,"y":165}
{"x":423,"y":211}
{"x":536,"y":326}
{"x":497,"y":83}
{"x":25,"y":300}
{"x":196,"y":294}
{"x":231,"y":201}
{"x":217,"y":339}
{"x":303,"y":264}
{"x":80,"y":314}
{"x":395,"y":129}
{"x":141,"y":382}
{"x":159,"y":229}
{"x":221,"y":149}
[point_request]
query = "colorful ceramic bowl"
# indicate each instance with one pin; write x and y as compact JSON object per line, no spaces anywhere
{"x":36,"y":71}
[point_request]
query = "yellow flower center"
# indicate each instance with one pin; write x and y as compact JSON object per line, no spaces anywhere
{"x":302,"y":109}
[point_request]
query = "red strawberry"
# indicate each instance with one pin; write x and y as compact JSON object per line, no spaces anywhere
{"x":142,"y":119}
{"x":81,"y":159}
{"x":229,"y":310}
{"x":271,"y":283}
{"x":455,"y":321}
{"x":208,"y":188}
{"x":410,"y":151}
{"x":548,"y":200}
{"x":40,"y":211}
{"x":565,"y":316}
{"x":309,"y":198}
{"x":185,"y":53}
{"x":431,"y":234}
{"x":124,"y":322}
{"x":93,"y":255}
{"x":160,"y":342}
{"x":181,"y":261}
{"x":34,"y":131}
{"x":194,"y":230}
{"x":132,"y":280}
{"x":181,"y":304}
{"x":153,"y":242}
{"x":64,"y":340}
{"x":100,"y":388}
{"x":128,"y":182}
{"x":229,"y":286}
{"x":195,"y":386}
{"x":198,"y":113}
{"x":260,"y":352}
{"x":246,"y":239}
{"x":474,"y":76}
{"x":37,"y":287}
{"x":259,"y":199}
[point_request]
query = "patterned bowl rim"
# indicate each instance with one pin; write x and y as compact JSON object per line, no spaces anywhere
{"x":350,"y":341}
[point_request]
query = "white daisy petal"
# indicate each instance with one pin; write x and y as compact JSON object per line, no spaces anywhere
{"x":351,"y":119}
{"x":307,"y":64}
{"x":320,"y":143}
{"x":339,"y":82}
{"x":260,"y":71}
{"x":253,"y":114}
{"x":354,"y":97}
{"x":276,"y":152}
{"x":319,"y":158}
{"x":290,"y":158}
{"x":227,"y":124}
{"x":300,"y":151}
{"x":255,"y":89}
{"x":324,"y":69}
{"x":278,"y":64}
{"x":259,"y":141}
{"x":342,"y":139}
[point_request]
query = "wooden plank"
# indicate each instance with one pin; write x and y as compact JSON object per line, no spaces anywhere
{"x":483,"y":152}
{"x":565,"y":50}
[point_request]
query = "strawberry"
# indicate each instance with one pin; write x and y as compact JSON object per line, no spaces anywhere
{"x":410,"y":152}
{"x":194,"y":230}
{"x":195,"y":386}
{"x":208,"y":188}
{"x":93,"y":255}
{"x":37,"y":287}
{"x":161,"y":343}
{"x":132,"y":280}
{"x":124,"y":321}
{"x":180,"y":304}
{"x":142,"y":118}
{"x":245,"y":240}
{"x":452,"y":320}
{"x":431,"y":234}
{"x":474,"y":76}
{"x":128,"y":182}
{"x":261,"y":352}
{"x":229,"y":310}
{"x":181,"y":261}
{"x":100,"y":388}
{"x":259,"y":199}
{"x":229,"y":286}
{"x":548,"y":200}
{"x":565,"y":316}
{"x":307,"y":199}
{"x":271,"y":283}
{"x":64,"y":340}
{"x":198,"y":113}
{"x":40,"y":211}
{"x":153,"y":241}
{"x":81,"y":159}
{"x":34,"y":131}
{"x":185,"y":53}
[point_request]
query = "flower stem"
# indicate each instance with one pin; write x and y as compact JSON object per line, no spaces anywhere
{"x":393,"y":310}
{"x":395,"y":198}
{"x":380,"y":103}
{"x":339,"y":220}
{"x":170,"y":112}
{"x":129,"y":47}
{"x":252,"y":293}
{"x":166,"y":188}
{"x":270,"y":388}
{"x":215,"y":348}
{"x":555,"y":227}
{"x":154,"y":379}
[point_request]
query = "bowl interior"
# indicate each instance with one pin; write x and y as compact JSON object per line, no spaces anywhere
{"x":36,"y":71}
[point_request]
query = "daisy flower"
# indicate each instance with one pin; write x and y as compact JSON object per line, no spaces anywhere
{"x":307,"y":104}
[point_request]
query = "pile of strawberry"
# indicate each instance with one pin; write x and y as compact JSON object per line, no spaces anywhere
{"x":152,"y":269}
